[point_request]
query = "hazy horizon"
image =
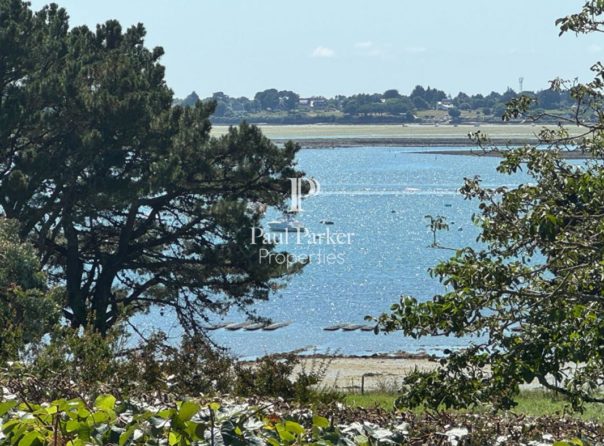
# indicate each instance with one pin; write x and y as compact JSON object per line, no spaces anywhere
{"x":241,"y":47}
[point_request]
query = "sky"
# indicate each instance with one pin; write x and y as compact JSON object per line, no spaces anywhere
{"x":331,"y":47}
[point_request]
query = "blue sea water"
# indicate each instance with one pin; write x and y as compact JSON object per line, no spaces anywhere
{"x":381,"y":197}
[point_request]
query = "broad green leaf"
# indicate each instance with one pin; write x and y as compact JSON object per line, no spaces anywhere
{"x":124,"y":437}
{"x":187,"y":410}
{"x":97,"y":418}
{"x":10,"y":425}
{"x":321,"y":422}
{"x":173,"y":438}
{"x":72,"y":426}
{"x":294,"y":427}
{"x":30,"y":438}
{"x":166,"y":414}
{"x":106,"y":402}
{"x":284,"y":434}
{"x":6,"y":407}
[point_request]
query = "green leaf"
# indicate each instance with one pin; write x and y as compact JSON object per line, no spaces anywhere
{"x":214,"y":406}
{"x":321,"y":422}
{"x":273,"y":441}
{"x":105,"y":402}
{"x":573,"y":442}
{"x":294,"y":427}
{"x":173,"y":438}
{"x":124,"y":437}
{"x":166,"y":414}
{"x":72,"y":426}
{"x":30,"y":438}
{"x":187,"y":411}
{"x":10,"y":425}
{"x":97,"y":418}
{"x":6,"y":407}
{"x":284,"y":434}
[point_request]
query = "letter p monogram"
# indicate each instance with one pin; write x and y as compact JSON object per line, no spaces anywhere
{"x":313,"y":189}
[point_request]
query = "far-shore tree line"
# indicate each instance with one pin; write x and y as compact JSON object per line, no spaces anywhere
{"x":421,"y":105}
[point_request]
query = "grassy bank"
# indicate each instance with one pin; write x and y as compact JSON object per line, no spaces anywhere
{"x":536,"y":403}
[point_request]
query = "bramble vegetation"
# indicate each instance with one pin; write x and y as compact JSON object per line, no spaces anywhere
{"x":108,"y":420}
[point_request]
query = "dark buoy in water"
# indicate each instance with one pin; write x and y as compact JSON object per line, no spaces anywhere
{"x":448,"y":205}
{"x":460,"y":229}
{"x":393,"y":211}
{"x":326,"y":222}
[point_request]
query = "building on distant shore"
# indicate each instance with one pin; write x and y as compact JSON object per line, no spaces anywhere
{"x":313,"y":102}
{"x":444,"y":105}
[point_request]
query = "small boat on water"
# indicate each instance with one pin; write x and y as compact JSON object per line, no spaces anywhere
{"x":286,"y":223}
{"x":217,"y":326}
{"x":237,"y":326}
{"x":256,"y":326}
{"x":276,"y":326}
{"x":349,"y":327}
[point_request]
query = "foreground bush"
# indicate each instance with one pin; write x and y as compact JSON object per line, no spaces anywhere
{"x":28,"y":308}
{"x":238,"y":422}
{"x":80,"y":365}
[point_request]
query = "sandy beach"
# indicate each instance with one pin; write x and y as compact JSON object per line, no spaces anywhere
{"x":377,"y":373}
{"x":380,"y":373}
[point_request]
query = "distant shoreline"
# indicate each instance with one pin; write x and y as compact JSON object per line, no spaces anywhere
{"x":320,"y":143}
{"x":411,"y":135}
{"x":477,"y":152}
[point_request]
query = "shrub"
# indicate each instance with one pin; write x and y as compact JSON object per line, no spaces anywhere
{"x":28,"y":309}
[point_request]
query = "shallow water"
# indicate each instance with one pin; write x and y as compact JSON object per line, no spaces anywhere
{"x":380,"y":196}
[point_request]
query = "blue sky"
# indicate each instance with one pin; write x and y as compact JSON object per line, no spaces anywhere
{"x":331,"y":47}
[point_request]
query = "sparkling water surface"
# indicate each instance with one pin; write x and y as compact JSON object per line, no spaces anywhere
{"x":381,"y":196}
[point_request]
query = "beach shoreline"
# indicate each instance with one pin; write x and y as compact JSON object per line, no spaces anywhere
{"x":378,"y":372}
{"x":366,"y":374}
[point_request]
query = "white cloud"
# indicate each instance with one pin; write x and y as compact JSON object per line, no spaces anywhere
{"x":323,"y":52}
